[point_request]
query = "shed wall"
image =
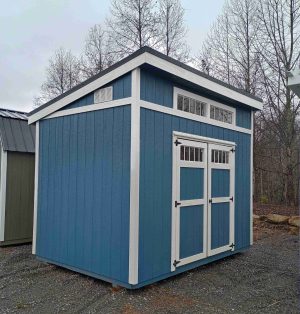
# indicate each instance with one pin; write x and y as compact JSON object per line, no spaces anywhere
{"x":159,"y":90}
{"x":83,"y":199}
{"x":156,"y":187}
{"x":19,"y":197}
{"x":121,"y":89}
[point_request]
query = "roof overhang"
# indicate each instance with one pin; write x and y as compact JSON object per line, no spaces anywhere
{"x":150,"y":56}
{"x":294,"y":81}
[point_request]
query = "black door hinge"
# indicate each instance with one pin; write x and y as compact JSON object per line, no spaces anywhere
{"x":176,"y":263}
{"x":210,"y":200}
{"x":231,"y":199}
{"x":177,"y":142}
{"x":177,"y":203}
{"x":232,"y":246}
{"x":232,"y":150}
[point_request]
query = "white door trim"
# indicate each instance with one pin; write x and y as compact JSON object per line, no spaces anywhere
{"x":231,"y":167}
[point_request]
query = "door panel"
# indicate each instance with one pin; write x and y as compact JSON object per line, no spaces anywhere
{"x":191,"y":183}
{"x":220,"y":225}
{"x":191,"y":231}
{"x":220,"y":179}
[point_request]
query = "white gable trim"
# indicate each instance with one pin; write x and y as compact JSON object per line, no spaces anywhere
{"x":158,"y":62}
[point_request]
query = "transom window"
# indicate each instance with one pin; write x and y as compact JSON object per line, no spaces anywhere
{"x":221,"y":114}
{"x":219,"y":156}
{"x":191,"y":153}
{"x":191,"y":105}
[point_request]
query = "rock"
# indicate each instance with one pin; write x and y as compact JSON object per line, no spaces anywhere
{"x":256,"y":217}
{"x":294,"y":230}
{"x":294,"y":221}
{"x":277,"y":219}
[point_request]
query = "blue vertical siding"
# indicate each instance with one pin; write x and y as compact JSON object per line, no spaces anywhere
{"x":243,"y":117}
{"x":159,"y":90}
{"x":156,"y":89}
{"x":83,"y":202}
{"x":156,"y":187}
{"x":121,"y":89}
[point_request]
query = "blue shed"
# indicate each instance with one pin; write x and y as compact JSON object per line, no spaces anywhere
{"x":143,"y":171}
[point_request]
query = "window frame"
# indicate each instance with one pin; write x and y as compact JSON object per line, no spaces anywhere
{"x":209,"y":103}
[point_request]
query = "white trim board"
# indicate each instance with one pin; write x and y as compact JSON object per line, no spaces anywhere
{"x":93,"y":107}
{"x":3,"y":192}
{"x":251,"y":179}
{"x":191,"y":116}
{"x":134,"y":180}
{"x":36,"y":185}
{"x":158,"y":62}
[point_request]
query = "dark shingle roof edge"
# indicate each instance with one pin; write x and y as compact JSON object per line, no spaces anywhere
{"x":132,"y":56}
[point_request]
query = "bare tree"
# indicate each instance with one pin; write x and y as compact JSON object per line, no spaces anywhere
{"x":172,"y":30}
{"x":97,"y":54}
{"x":132,"y":25}
{"x":62,"y":73}
{"x":229,"y":49}
{"x":279,"y":50}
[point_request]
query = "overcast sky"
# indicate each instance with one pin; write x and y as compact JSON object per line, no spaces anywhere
{"x":31,"y":30}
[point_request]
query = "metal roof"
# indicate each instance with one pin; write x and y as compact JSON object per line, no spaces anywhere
{"x":13,"y":114}
{"x":15,"y":133}
{"x":132,"y":56}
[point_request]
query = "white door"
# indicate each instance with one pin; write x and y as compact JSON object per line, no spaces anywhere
{"x":220,"y":199}
{"x":203,"y":200}
{"x":190,"y":201}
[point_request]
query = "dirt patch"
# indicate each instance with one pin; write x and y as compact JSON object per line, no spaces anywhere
{"x":266,"y":209}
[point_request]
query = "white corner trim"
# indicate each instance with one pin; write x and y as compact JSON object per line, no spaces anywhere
{"x":96,"y":84}
{"x":191,"y":116}
{"x":134,"y":179}
{"x":201,"y":81}
{"x":36,"y":185}
{"x":251,"y":178}
{"x":94,"y":107}
{"x":3,"y":193}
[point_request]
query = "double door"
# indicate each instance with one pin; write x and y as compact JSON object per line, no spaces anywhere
{"x":203,"y":195}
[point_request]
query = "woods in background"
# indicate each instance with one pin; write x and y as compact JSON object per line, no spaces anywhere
{"x":252,"y":45}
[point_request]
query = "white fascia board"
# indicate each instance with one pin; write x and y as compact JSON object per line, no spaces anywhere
{"x":110,"y":76}
{"x":201,"y":81}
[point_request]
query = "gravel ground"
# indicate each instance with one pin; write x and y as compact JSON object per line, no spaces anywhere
{"x":264,"y":279}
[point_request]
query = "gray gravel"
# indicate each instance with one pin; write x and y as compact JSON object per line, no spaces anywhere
{"x":264,"y":279}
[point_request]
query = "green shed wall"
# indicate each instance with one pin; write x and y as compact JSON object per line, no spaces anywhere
{"x":19,"y":198}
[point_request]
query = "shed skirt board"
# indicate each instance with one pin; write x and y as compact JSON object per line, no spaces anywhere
{"x":126,"y":285}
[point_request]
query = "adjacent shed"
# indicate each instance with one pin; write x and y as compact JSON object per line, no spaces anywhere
{"x":17,"y":142}
{"x":144,"y":171}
